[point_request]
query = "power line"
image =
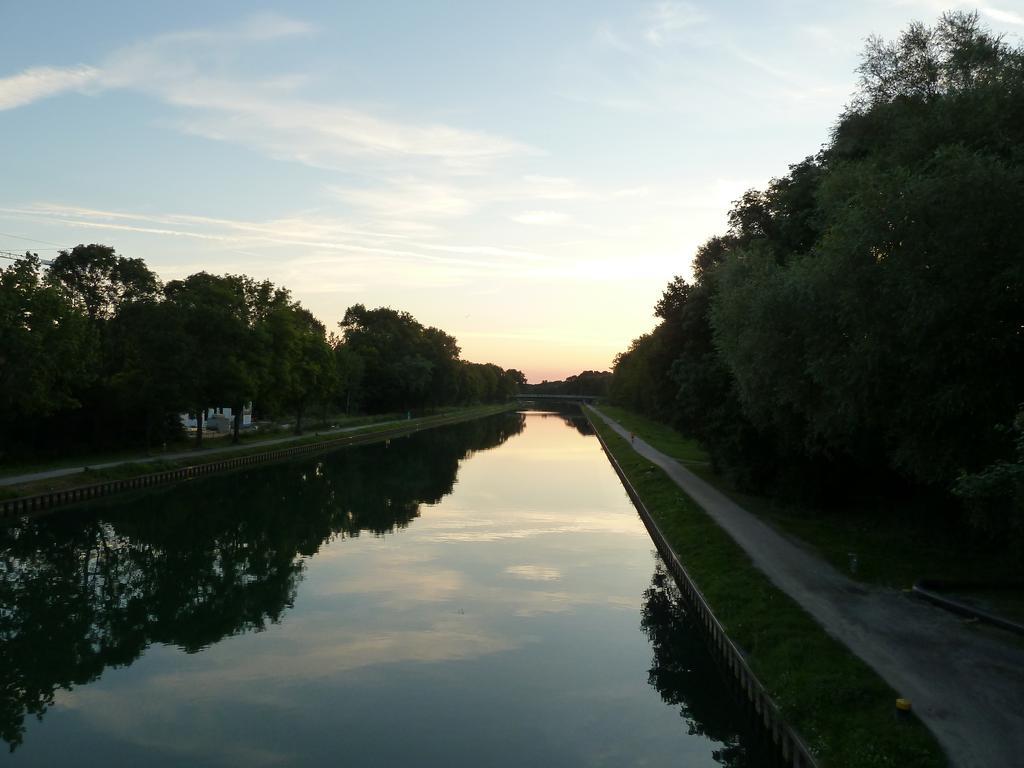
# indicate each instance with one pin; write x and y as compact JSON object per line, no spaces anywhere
{"x":34,"y":240}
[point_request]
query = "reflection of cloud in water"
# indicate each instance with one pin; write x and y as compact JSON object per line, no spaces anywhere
{"x":373,"y":549}
{"x":410,"y":585}
{"x":526,"y":604}
{"x":540,"y":603}
{"x":426,"y":595}
{"x":580,"y":526}
{"x":320,"y":653}
{"x":411,"y":579}
{"x":521,"y":533}
{"x":305,"y":651}
{"x":459,"y":523}
{"x":534,"y":572}
{"x":450,"y":523}
{"x":128,"y":719}
{"x":267,"y":675}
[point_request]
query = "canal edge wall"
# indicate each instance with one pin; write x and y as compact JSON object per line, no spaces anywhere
{"x":791,"y":746}
{"x":44,"y":502}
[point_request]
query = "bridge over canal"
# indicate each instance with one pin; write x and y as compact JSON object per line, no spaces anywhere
{"x":523,"y":396}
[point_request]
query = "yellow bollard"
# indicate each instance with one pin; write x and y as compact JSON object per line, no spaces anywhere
{"x":902,"y":709}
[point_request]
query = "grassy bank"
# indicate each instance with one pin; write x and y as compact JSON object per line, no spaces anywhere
{"x":662,"y":437}
{"x":885,"y":547}
{"x":212,"y":440}
{"x":839,"y":705}
{"x":149,"y":465}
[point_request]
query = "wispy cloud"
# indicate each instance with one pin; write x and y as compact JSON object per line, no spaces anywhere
{"x":324,"y":135}
{"x":935,"y":7}
{"x":40,"y":82}
{"x":668,"y":19}
{"x":270,"y":26}
{"x":1006,"y":17}
{"x":408,"y":198}
{"x":605,"y":36}
{"x":268,"y":116}
{"x":329,"y":236}
{"x":135,"y":65}
{"x":765,"y":66}
{"x":485,"y":250}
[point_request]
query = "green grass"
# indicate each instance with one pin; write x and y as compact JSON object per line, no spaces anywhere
{"x":840,"y":707}
{"x":211,"y":440}
{"x":155,"y":464}
{"x":891,"y":549}
{"x":664,"y":438}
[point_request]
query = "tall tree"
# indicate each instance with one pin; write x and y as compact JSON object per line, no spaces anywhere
{"x":214,"y":315}
{"x":47,"y":351}
{"x":99,"y":281}
{"x":858,"y":318}
{"x":392,"y":345}
{"x":301,"y":359}
{"x":153,"y":364}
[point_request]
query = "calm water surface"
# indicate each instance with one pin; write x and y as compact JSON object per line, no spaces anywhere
{"x":477,"y":595}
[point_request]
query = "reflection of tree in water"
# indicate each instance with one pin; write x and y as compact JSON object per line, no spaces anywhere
{"x":193,"y":564}
{"x":685,"y":675}
{"x":570,"y":414}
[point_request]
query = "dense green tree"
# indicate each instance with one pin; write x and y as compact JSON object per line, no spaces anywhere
{"x":152,"y":361}
{"x":349,"y":369}
{"x":396,"y":368}
{"x":584,"y":383}
{"x":213,"y":312}
{"x":860,"y":320}
{"x":442,"y":352}
{"x":855,"y":342}
{"x":99,"y":281}
{"x":100,"y":284}
{"x":94,"y":354}
{"x":48,"y":351}
{"x":303,"y":363}
{"x":995,"y":494}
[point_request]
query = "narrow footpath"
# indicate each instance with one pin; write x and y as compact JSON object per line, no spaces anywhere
{"x":966,"y":685}
{"x":191,"y":453}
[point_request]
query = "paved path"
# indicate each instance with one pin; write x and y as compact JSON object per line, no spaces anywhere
{"x":966,"y":685}
{"x":190,"y":454}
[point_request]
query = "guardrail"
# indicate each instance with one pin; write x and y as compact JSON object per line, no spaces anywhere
{"x":928,"y":589}
{"x":42,"y":502}
{"x":792,"y":748}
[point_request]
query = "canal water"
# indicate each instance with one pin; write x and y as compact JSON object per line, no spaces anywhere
{"x":482,"y":594}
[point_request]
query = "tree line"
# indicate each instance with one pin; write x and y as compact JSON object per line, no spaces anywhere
{"x":96,"y":351}
{"x":860,"y":325}
{"x":592,"y":383}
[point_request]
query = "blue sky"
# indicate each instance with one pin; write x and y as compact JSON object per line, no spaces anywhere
{"x":527,"y":176}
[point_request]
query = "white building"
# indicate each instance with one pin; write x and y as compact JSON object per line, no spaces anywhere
{"x":217,"y":419}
